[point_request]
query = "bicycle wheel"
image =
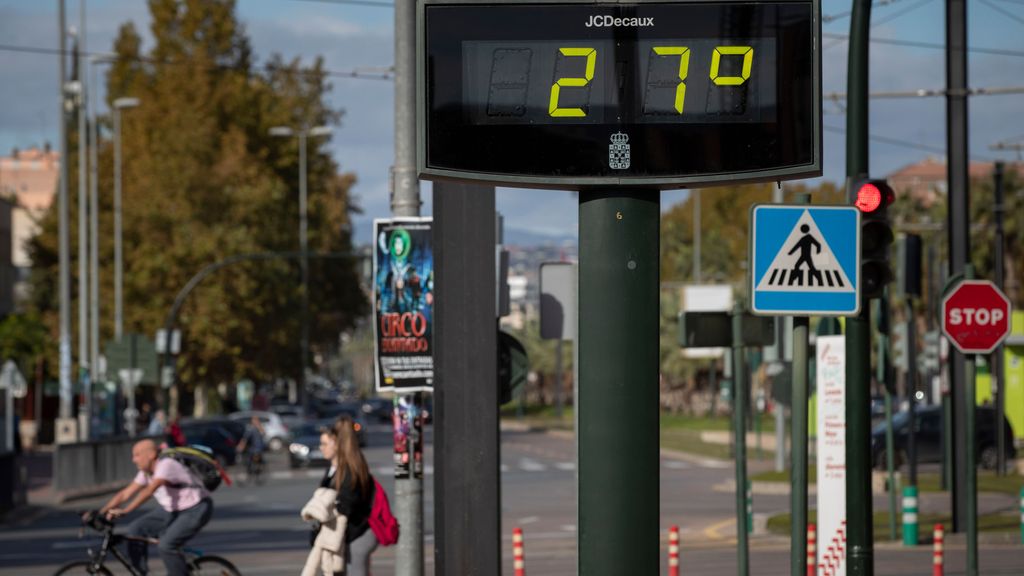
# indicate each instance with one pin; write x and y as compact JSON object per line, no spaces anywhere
{"x":212,"y":566}
{"x":81,"y":567}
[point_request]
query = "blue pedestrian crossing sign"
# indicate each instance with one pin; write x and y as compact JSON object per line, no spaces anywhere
{"x":805,"y":260}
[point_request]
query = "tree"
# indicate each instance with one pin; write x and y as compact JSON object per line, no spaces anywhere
{"x":203,"y":180}
{"x":725,"y":226}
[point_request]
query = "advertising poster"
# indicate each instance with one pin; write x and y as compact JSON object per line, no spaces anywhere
{"x":408,"y":435}
{"x":403,"y":281}
{"x":831,"y":384}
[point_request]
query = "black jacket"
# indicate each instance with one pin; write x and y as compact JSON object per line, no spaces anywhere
{"x":352,"y":504}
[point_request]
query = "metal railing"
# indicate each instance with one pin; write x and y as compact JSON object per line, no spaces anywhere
{"x":85,"y":468}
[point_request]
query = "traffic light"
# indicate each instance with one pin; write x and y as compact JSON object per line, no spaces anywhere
{"x":873,"y":199}
{"x":513,"y":365}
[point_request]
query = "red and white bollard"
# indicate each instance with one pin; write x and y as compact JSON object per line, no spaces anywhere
{"x":673,"y":551}
{"x":812,"y":549}
{"x":938,"y":553}
{"x":518,"y":561}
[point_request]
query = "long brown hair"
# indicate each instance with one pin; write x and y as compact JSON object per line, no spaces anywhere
{"x":348,"y":459}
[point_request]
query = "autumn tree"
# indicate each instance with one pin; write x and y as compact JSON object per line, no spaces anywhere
{"x":203,"y":180}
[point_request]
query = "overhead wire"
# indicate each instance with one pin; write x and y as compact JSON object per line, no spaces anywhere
{"x":353,"y":74}
{"x":903,"y":143}
{"x":1003,"y":11}
{"x":931,"y":45}
{"x":888,"y":18}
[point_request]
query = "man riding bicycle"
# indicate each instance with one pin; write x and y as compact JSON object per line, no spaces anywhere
{"x":252,"y":444}
{"x":185,"y":507}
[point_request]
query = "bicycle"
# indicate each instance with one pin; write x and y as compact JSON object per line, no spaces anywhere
{"x":198,"y":564}
{"x":254,"y":468}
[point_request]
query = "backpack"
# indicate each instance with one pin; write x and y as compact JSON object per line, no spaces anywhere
{"x":201,"y":463}
{"x":382,"y":522}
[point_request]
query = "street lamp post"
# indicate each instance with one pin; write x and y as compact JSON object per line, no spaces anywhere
{"x":119,"y":105}
{"x":303,"y":134}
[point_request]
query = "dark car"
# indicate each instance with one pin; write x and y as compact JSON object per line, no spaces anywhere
{"x":928,"y":437}
{"x":215,"y":436}
{"x":304,"y":450}
{"x":378,"y":408}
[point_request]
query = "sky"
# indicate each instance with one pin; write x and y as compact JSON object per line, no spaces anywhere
{"x":354,"y":36}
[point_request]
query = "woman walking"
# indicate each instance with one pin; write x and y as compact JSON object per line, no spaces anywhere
{"x":350,"y":477}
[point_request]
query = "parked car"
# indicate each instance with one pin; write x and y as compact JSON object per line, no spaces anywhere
{"x":292,"y":415}
{"x":275,"y":431}
{"x":378,"y":408}
{"x":214,"y":435}
{"x":304,"y":450}
{"x":928,"y":437}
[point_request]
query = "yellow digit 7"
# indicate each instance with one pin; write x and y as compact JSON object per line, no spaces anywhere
{"x":556,"y":88}
{"x":684,"y":68}
{"x":748,"y":60}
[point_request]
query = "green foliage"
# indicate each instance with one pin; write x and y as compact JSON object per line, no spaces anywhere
{"x":203,"y":180}
{"x":23,"y":338}
{"x":725,"y":223}
{"x":927,"y":215}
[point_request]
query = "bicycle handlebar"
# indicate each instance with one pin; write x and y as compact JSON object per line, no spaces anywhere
{"x":98,"y":522}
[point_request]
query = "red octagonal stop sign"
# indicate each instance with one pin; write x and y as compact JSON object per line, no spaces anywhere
{"x":976,"y":316}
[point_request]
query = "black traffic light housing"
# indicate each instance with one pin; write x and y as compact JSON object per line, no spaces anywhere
{"x":513,"y":365}
{"x":873,"y":198}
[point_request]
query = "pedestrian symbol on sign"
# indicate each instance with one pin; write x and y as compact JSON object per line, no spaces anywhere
{"x":805,"y":263}
{"x":804,"y":260}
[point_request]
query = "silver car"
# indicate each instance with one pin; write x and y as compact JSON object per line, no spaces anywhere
{"x":275,"y":432}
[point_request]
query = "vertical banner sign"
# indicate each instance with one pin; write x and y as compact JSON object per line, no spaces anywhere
{"x":403,"y":281}
{"x":831,"y":433}
{"x":407,"y":421}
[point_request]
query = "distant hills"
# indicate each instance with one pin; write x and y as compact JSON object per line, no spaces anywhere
{"x":526,"y":238}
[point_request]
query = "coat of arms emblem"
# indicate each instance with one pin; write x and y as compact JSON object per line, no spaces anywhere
{"x":618,"y":152}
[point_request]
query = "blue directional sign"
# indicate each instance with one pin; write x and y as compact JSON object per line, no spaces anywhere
{"x":805,"y":260}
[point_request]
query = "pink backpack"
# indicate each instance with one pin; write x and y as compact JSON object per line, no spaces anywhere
{"x":382,"y":522}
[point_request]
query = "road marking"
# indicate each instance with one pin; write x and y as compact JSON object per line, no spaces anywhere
{"x":566,"y":466}
{"x":568,"y":527}
{"x":674,"y":464}
{"x":711,"y":532}
{"x":528,"y":520}
{"x":73,"y":544}
{"x":714,"y":464}
{"x":531,"y":465}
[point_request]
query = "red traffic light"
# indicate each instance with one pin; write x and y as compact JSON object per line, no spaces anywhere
{"x":872,"y":197}
{"x":869,"y":198}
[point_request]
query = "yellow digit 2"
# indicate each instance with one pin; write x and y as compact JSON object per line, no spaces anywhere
{"x":684,"y":68}
{"x":591,"y":55}
{"x":748,"y":60}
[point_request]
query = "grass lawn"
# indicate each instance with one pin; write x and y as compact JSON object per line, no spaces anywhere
{"x":678,"y":432}
{"x":780,"y":524}
{"x":928,"y":482}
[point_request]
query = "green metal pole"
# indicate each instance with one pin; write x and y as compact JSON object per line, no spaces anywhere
{"x":970,"y":488}
{"x":970,"y":457}
{"x":890,"y":464}
{"x":758,"y":413}
{"x":947,"y":435}
{"x":798,"y":476}
{"x":910,"y":519}
{"x":1022,"y":515}
{"x":739,"y":421}
{"x":619,"y":351}
{"x":890,"y":444}
{"x":860,"y":544}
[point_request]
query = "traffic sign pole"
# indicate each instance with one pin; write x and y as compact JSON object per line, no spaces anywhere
{"x":739,"y":422}
{"x":976,"y":318}
{"x":618,"y":350}
{"x":860,"y":543}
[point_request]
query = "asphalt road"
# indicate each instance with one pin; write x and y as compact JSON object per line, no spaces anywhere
{"x":258,"y":527}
